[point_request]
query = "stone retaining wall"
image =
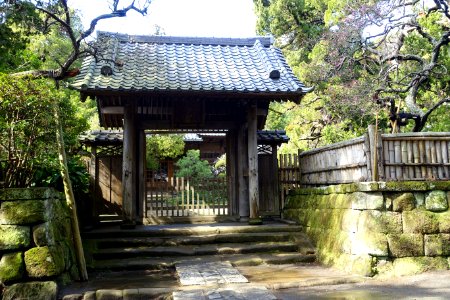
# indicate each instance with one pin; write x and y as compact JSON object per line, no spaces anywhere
{"x":36,"y":245}
{"x":393,"y":228}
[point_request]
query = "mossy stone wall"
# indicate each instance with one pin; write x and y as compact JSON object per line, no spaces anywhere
{"x":393,"y":228}
{"x":36,"y":245}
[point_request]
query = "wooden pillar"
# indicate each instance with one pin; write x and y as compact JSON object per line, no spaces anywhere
{"x":253,"y":189}
{"x":276,"y":181}
{"x":129,"y":167}
{"x":242,"y":174}
{"x":141,"y":182}
{"x":233,"y":205}
{"x":97,"y":195}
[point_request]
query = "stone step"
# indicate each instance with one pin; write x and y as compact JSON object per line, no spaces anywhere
{"x":208,"y":249}
{"x":187,"y":230}
{"x":168,"y":262}
{"x":199,"y":239}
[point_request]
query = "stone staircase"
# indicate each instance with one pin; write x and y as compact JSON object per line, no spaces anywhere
{"x":163,"y":246}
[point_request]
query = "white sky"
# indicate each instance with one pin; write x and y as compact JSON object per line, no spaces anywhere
{"x":219,"y":18}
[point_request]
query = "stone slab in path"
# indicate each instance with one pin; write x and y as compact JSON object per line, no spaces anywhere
{"x":207,"y":273}
{"x":235,"y":292}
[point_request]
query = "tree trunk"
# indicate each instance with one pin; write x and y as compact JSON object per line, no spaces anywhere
{"x":70,"y":198}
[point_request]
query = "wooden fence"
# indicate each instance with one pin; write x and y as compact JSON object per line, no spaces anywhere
{"x":179,"y":197}
{"x":372,"y":157}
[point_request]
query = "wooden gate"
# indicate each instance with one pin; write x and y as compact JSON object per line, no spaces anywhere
{"x":174,"y":197}
{"x":269,"y":200}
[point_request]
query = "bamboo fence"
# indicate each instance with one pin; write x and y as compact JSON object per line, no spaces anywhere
{"x":372,"y":157}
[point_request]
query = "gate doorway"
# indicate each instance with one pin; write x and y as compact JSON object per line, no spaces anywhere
{"x":174,"y":198}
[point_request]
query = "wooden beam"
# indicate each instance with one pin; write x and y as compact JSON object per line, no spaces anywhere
{"x":142,"y":204}
{"x":253,"y":188}
{"x":242,"y":174}
{"x":129,"y":167}
{"x":231,"y":140}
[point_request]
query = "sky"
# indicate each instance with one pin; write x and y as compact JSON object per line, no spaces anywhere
{"x":218,"y":18}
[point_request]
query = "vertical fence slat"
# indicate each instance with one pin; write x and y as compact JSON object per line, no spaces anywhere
{"x":445,"y":157}
{"x":410,"y":159}
{"x":422,"y":159}
{"x":440,"y":169}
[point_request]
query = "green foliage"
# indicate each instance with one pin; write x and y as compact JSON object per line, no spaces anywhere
{"x":163,"y":146}
{"x":27,"y":127}
{"x":323,"y":42}
{"x":49,"y":175}
{"x":191,"y":166}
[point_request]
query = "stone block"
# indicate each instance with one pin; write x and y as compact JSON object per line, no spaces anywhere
{"x":11,"y":267}
{"x":41,"y":262}
{"x":14,"y":194}
{"x":73,"y":297}
{"x":420,"y":199}
{"x":374,"y":244}
{"x":416,"y":265}
{"x":371,"y":221}
{"x":131,"y":294}
{"x":109,"y":295}
{"x":436,"y":201}
{"x":420,"y":221}
{"x":437,"y":244}
{"x":363,"y":200}
{"x":444,"y":222}
{"x":350,"y":219}
{"x":405,"y":186}
{"x":401,"y":201}
{"x":14,"y":237}
{"x":433,"y":245}
{"x":47,"y":290}
{"x":342,"y":201}
{"x":356,"y":264}
{"x":406,"y":244}
{"x":44,"y":235}
{"x":89,"y":295}
{"x":368,"y":186}
{"x":384,"y":268}
{"x":22,"y":212}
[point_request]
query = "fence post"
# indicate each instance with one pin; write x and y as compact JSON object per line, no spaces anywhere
{"x":373,"y":151}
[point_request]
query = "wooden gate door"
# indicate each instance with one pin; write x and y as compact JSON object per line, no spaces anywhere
{"x":180,"y":198}
{"x":269,"y":201}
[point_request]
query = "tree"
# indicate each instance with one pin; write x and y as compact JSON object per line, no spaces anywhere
{"x":365,"y":58}
{"x":163,"y":146}
{"x":192,"y":167}
{"x":56,"y":15}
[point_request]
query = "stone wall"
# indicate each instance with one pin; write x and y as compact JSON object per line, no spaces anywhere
{"x":36,"y":245}
{"x":393,"y":228}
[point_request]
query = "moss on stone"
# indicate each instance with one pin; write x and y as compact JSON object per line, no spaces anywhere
{"x":44,"y":262}
{"x":433,"y":245}
{"x":368,"y":186}
{"x":444,"y":222}
{"x":420,"y":199}
{"x":22,"y":212}
{"x":401,"y":201}
{"x":381,"y":222}
{"x":11,"y":267}
{"x":406,"y":244}
{"x":420,"y":221}
{"x":13,"y":194}
{"x":440,"y":185}
{"x":32,"y":290}
{"x":415,"y":265}
{"x":409,"y":186}
{"x":436,"y":201}
{"x":14,"y":237}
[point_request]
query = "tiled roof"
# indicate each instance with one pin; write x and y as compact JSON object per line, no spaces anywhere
{"x":116,"y":137}
{"x":272,"y":137}
{"x":154,"y":63}
{"x":102,"y":137}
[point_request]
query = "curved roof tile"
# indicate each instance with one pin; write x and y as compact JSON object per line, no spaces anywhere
{"x":146,"y":63}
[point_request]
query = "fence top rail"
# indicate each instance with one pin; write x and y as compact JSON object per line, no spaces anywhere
{"x":351,"y":142}
{"x":393,"y":136}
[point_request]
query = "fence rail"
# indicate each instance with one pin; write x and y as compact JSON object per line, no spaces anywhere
{"x":372,"y":157}
{"x":180,"y":197}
